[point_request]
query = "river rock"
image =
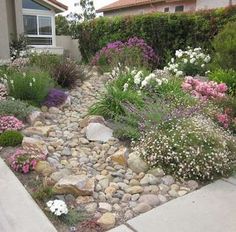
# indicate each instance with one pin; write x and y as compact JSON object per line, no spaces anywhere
{"x":136,"y":164}
{"x":98,"y":132}
{"x":78,"y":185}
{"x":107,"y":221}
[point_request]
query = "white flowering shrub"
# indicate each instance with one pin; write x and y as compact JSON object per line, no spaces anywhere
{"x":140,"y":80}
{"x":57,"y":207}
{"x":189,"y":148}
{"x":191,"y":62}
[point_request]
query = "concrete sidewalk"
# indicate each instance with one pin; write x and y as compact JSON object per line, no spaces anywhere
{"x":18,"y":211}
{"x":210,"y":209}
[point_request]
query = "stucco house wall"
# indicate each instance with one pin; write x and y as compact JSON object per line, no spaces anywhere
{"x":211,"y":4}
{"x":157,"y":7}
{"x":4,"y":35}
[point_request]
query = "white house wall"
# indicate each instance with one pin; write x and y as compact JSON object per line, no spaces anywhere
{"x":211,"y":4}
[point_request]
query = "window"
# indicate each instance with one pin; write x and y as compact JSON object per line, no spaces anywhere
{"x":30,"y":4}
{"x":38,"y":29}
{"x":166,"y":9}
{"x":179,"y":8}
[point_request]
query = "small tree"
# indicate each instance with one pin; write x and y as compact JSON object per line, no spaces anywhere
{"x":88,"y":10}
{"x":62,"y":25}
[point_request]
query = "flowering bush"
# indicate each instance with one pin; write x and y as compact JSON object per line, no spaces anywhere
{"x":10,"y":123}
{"x":55,"y":98}
{"x":189,"y":148}
{"x":32,"y":86}
{"x":139,"y":80}
{"x":18,"y":47}
{"x":133,"y":53}
{"x":22,"y":162}
{"x":19,"y":63}
{"x":190,"y":62}
{"x":57,"y":207}
{"x":204,"y":90}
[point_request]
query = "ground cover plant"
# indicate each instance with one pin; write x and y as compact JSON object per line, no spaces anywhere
{"x":10,"y":138}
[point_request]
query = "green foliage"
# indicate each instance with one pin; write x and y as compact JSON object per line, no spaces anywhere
{"x":43,"y":193}
{"x":225,"y":76}
{"x":189,"y":148}
{"x":15,"y":108}
{"x":66,"y":74}
{"x":166,"y":33}
{"x":18,"y":46}
{"x":225,"y":47}
{"x":31,"y":86}
{"x":73,"y":217}
{"x":45,"y":61}
{"x":62,"y":25}
{"x":10,"y":138}
{"x":111,"y":103}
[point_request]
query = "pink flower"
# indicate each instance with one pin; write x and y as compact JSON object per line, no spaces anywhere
{"x":223,"y":119}
{"x":10,"y":123}
{"x":222,"y":88}
{"x":25,"y":168}
{"x":186,"y":86}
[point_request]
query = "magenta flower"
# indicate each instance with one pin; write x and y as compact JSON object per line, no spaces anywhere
{"x":10,"y":123}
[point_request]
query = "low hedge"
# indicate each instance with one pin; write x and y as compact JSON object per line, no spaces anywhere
{"x":164,"y":32}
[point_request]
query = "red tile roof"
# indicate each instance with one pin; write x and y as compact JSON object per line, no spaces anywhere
{"x":61,"y":5}
{"x":126,"y":3}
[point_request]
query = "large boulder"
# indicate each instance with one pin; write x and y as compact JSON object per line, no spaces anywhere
{"x":44,"y":168}
{"x":136,"y":164}
{"x":91,"y":119}
{"x":120,"y":156}
{"x":98,"y":132}
{"x":35,"y":116}
{"x":35,"y":147}
{"x":78,"y":185}
{"x":38,"y":130}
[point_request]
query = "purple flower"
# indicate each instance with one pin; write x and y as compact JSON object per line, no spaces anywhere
{"x":55,"y":98}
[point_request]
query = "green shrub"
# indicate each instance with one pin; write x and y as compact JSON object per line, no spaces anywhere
{"x":225,"y":47}
{"x":43,"y":193}
{"x":189,"y":148}
{"x":66,"y":74}
{"x":11,"y":138}
{"x":166,"y":33}
{"x":225,"y":76}
{"x":111,"y":103}
{"x":31,"y":86}
{"x":15,"y":108}
{"x":45,"y":61}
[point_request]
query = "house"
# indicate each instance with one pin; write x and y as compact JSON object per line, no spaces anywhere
{"x":34,"y":18}
{"x":133,"y":7}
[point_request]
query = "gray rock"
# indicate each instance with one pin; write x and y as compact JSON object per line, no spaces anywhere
{"x":98,"y":132}
{"x":104,"y":207}
{"x":150,"y":199}
{"x":91,"y":207}
{"x":66,"y":151}
{"x":136,"y":164}
{"x":142,"y":208}
{"x":168,"y":180}
{"x":192,"y":184}
{"x":149,"y":179}
{"x":158,"y":172}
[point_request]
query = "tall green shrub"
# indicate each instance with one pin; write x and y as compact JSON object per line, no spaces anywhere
{"x":225,"y":47}
{"x":164,"y":32}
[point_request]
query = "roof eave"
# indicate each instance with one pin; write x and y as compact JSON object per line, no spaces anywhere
{"x":58,"y":8}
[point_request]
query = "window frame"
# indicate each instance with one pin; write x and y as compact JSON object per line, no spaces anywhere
{"x":167,"y":8}
{"x":42,"y":13}
{"x":179,"y":10}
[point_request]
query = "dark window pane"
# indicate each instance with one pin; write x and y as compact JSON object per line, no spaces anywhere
{"x":166,"y":9}
{"x":39,"y":41}
{"x":30,"y":4}
{"x":179,"y":8}
{"x":45,"y":25}
{"x":30,"y":24}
